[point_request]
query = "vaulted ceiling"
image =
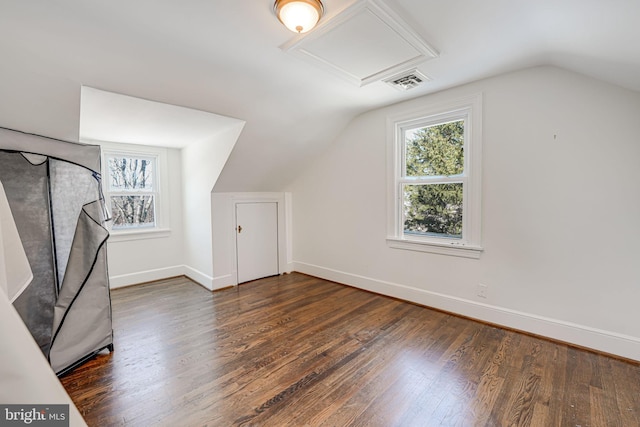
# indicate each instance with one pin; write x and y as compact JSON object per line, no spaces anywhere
{"x":225,"y":57}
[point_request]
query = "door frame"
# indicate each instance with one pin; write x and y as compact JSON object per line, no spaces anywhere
{"x":280,"y":200}
{"x":223,"y":229}
{"x":239,"y":203}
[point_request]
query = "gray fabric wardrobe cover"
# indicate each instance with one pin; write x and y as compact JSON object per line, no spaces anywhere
{"x":53,"y":189}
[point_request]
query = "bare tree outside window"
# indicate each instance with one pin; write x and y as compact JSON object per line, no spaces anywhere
{"x":131,"y":192}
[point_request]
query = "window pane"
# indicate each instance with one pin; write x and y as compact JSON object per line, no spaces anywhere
{"x":434,"y":209}
{"x":435,"y":150}
{"x":132,"y":211}
{"x":130,"y":173}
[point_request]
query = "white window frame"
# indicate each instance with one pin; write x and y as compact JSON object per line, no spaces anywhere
{"x":160,"y":190}
{"x":469,"y":245}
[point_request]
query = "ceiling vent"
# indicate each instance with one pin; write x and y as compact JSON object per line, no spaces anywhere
{"x":407,"y":80}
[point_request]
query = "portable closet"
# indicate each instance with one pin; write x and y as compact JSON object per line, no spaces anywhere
{"x":54,"y":193}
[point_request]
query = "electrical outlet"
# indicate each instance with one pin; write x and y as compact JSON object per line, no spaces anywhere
{"x":482,"y":290}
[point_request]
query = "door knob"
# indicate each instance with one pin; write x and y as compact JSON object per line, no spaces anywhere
{"x":239,"y":229}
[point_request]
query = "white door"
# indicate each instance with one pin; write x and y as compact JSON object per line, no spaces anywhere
{"x":256,"y":240}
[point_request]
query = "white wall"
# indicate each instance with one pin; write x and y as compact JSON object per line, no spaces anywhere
{"x":224,"y":240}
{"x":202,"y":163}
{"x":156,"y":256}
{"x":561,"y":210}
{"x":186,"y":247}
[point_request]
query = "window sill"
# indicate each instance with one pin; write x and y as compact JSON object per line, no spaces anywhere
{"x":451,"y":249}
{"x":123,"y":236}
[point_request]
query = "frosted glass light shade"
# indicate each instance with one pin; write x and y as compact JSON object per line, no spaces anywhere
{"x":299,"y":16}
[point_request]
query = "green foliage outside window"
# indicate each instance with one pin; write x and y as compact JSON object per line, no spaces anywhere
{"x":434,"y":208}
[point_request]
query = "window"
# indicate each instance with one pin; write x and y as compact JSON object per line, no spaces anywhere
{"x":434,"y":179}
{"x":132,"y":196}
{"x":135,"y":190}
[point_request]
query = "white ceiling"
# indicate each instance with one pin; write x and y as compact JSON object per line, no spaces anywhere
{"x":364,"y":43}
{"x":112,"y":117}
{"x":223,"y":57}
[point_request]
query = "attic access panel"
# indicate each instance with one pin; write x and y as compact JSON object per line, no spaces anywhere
{"x":365,"y":43}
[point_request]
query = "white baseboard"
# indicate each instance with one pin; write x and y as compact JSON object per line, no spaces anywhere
{"x":198,"y":277}
{"x":163,"y":273}
{"x":580,"y":335}
{"x":145,"y":276}
{"x":289,"y":267}
{"x":225,"y":281}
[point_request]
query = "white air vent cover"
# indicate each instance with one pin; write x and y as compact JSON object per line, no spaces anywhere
{"x":407,"y":80}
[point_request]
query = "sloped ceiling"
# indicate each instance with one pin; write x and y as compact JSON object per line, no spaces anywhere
{"x":107,"y":116}
{"x":224,"y":57}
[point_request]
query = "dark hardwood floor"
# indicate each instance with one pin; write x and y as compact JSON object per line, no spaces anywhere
{"x":299,"y":351}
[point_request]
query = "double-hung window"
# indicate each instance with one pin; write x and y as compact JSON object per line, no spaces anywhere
{"x":434,"y":179}
{"x":132,"y":190}
{"x":135,"y":183}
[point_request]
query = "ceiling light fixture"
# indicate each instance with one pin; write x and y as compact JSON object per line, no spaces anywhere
{"x":299,"y":16}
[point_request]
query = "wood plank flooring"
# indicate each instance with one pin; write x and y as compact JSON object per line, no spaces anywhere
{"x":295,"y":350}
